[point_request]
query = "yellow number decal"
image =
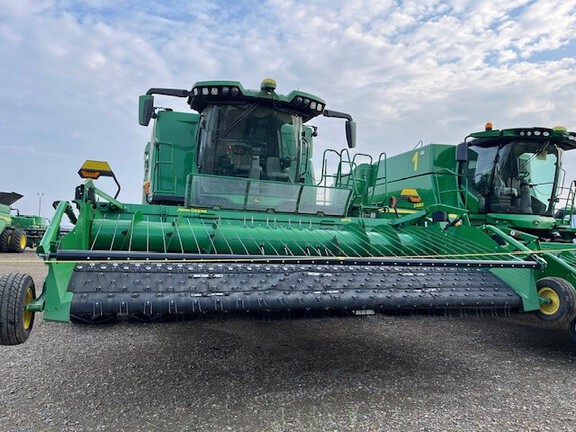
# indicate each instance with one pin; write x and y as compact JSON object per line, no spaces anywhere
{"x":415,"y":160}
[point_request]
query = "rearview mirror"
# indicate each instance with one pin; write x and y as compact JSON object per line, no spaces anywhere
{"x":145,"y":109}
{"x":351,"y":133}
{"x":462,"y":152}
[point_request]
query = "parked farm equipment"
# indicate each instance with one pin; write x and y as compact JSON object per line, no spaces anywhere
{"x":13,"y":236}
{"x":233,"y":220}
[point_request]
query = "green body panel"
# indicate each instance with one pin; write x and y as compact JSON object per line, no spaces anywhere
{"x":428,"y":173}
{"x":5,"y":218}
{"x":33,"y":226}
{"x":171,"y":153}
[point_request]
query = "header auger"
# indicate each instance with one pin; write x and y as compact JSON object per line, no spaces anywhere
{"x":233,"y":220}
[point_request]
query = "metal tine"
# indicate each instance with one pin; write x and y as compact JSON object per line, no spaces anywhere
{"x":115,"y":231}
{"x":367,"y":252}
{"x":96,"y":236}
{"x":268,"y":242}
{"x":193,"y":236}
{"x":148,"y":234}
{"x":295,"y":233}
{"x":431,"y":241}
{"x":132,"y":226}
{"x":177,"y":230}
{"x":209,"y":236}
{"x":466,"y":247}
{"x":427,"y":246}
{"x":230,"y":249}
{"x":251,"y":239}
{"x":163,"y":238}
{"x":256,"y":243}
{"x":298,"y":234}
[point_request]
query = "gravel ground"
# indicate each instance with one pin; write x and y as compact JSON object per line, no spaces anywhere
{"x":359,"y":374}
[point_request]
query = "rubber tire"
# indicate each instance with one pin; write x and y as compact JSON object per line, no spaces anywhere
{"x":567,"y":300}
{"x":18,"y":241}
{"x":14,"y":329}
{"x":5,"y":239}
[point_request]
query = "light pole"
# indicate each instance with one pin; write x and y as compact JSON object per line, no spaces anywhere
{"x":40,"y":195}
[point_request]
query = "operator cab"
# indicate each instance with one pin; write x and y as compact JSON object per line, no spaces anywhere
{"x":249,"y":139}
{"x":514,"y":171}
{"x":240,"y":149}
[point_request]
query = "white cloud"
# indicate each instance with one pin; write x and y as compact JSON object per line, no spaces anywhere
{"x":431,"y":70}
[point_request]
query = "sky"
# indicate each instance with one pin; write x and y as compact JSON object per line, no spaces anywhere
{"x":407,"y":71}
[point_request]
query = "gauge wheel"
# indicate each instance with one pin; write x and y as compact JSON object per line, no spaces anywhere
{"x":18,"y":241}
{"x":5,"y":239}
{"x":561,"y":296}
{"x":16,"y":291}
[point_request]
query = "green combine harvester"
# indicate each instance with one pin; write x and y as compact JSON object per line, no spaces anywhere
{"x":13,"y":236}
{"x":233,"y":220}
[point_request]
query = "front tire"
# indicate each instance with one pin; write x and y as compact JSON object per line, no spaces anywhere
{"x":561,"y":308}
{"x":16,"y":291}
{"x":18,"y":241}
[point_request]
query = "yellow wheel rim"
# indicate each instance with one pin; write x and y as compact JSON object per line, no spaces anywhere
{"x":23,"y":242}
{"x":28,"y":315}
{"x":553,"y":305}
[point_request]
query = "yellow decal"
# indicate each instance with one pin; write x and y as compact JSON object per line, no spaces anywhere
{"x":410,"y":195}
{"x":191,"y":210}
{"x":415,"y":161}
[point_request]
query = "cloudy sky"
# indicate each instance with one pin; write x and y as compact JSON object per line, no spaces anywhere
{"x":71,"y":73}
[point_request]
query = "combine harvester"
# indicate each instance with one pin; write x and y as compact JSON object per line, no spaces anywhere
{"x":13,"y":236}
{"x":507,"y":182}
{"x":233,"y":220}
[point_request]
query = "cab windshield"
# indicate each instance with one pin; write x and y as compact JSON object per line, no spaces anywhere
{"x":513,"y":177}
{"x":251,"y":140}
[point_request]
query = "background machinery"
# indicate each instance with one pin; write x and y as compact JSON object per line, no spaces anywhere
{"x":13,"y":236}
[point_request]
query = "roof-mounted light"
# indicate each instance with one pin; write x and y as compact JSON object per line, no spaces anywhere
{"x":218,"y":91}
{"x":488,"y":126}
{"x":268,"y":84}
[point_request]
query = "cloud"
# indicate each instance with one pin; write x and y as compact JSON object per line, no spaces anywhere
{"x":410,"y":70}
